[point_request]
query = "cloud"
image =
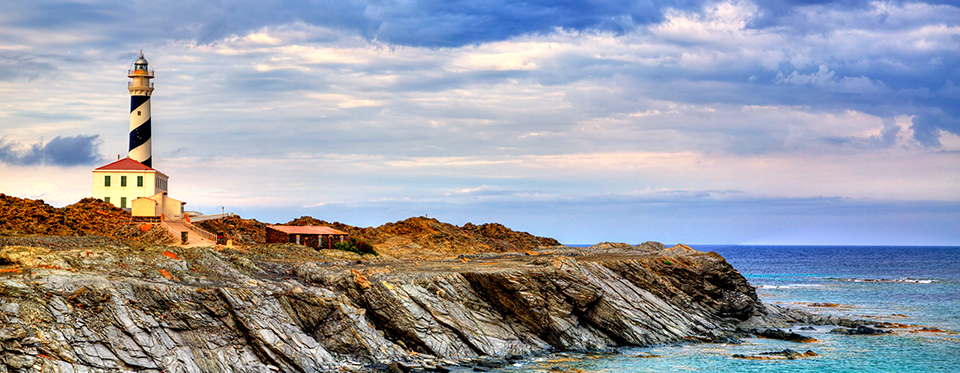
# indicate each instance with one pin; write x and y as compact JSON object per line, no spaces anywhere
{"x":61,"y":151}
{"x":927,"y":126}
{"x":468,"y":102}
{"x":20,"y":65}
{"x":887,"y":137}
{"x":824,"y":78}
{"x":65,"y":14}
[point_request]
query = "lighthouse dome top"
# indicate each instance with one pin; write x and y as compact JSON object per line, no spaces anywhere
{"x":141,"y":60}
{"x":140,"y":67}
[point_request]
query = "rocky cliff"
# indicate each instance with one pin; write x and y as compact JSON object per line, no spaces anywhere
{"x":104,"y":306}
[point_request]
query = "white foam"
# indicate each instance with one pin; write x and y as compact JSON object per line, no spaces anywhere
{"x":788,"y":286}
{"x":904,"y":280}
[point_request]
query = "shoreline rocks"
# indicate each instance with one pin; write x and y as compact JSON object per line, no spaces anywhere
{"x":160,"y":308}
{"x":287,"y":308}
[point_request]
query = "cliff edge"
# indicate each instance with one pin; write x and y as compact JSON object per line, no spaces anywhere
{"x":111,"y":307}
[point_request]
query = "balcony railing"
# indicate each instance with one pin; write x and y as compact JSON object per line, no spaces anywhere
{"x":133,"y":73}
{"x":198,"y":230}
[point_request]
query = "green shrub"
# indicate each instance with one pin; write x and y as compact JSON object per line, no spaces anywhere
{"x":363,"y":247}
{"x":356,"y":245}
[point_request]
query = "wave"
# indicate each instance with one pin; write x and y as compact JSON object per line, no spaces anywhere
{"x":905,"y":280}
{"x":788,"y":286}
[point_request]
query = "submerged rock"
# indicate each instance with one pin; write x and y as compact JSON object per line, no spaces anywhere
{"x":860,"y":330}
{"x":786,"y":354}
{"x":785,"y":336}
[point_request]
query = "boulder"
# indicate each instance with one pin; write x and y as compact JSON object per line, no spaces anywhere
{"x":784,"y":336}
{"x":859,"y":330}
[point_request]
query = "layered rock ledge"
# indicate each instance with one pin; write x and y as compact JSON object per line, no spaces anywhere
{"x":165,"y":309}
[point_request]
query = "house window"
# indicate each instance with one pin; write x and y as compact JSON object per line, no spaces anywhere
{"x":106,"y":199}
{"x":139,"y":181}
{"x":123,"y":202}
{"x":123,"y":181}
{"x":106,"y":181}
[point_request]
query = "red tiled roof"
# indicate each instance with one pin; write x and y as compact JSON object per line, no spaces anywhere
{"x":126,"y":164}
{"x":306,"y":229}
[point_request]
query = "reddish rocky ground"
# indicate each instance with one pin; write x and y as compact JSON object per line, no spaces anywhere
{"x":413,"y":238}
{"x":416,"y":237}
{"x":89,"y":216}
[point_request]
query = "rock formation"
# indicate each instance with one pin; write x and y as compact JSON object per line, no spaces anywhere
{"x":288,"y":308}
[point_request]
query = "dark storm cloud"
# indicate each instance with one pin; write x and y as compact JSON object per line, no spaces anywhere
{"x":458,"y":23}
{"x":407,"y":23}
{"x":61,"y":151}
{"x":774,"y":11}
{"x":430,"y":23}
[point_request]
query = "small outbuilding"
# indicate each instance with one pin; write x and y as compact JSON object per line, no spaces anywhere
{"x":157,"y":207}
{"x":313,"y":236}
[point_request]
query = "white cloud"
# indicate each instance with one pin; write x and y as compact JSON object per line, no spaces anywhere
{"x":275,"y":110}
{"x":825,"y":78}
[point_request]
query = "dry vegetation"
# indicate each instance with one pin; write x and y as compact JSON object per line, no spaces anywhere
{"x":418,"y":237}
{"x":89,"y":216}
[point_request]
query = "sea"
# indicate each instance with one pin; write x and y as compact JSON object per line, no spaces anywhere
{"x":918,"y":287}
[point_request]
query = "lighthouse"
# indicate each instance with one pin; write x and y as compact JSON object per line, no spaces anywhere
{"x":140,"y":88}
{"x":132,"y":183}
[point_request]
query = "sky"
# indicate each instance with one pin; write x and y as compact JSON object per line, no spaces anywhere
{"x":679,"y":121}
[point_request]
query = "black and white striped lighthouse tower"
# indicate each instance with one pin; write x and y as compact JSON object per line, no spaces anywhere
{"x":140,"y":90}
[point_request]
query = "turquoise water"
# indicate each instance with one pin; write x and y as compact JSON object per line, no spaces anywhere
{"x":908,"y":285}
